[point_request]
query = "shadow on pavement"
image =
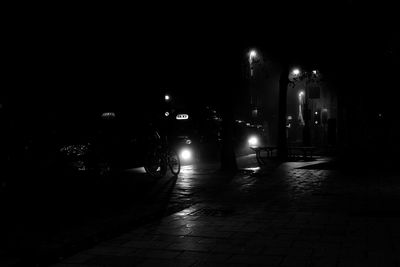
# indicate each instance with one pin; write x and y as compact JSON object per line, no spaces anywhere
{"x":48,"y":215}
{"x":357,"y":166}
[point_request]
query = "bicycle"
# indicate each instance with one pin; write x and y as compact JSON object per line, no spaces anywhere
{"x":161,"y":157}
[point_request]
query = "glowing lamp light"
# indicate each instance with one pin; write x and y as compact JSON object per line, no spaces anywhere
{"x":166,"y":114}
{"x":253,"y":141}
{"x":182,"y":116}
{"x":296,"y":72}
{"x":186,"y":154}
{"x":167,"y":97}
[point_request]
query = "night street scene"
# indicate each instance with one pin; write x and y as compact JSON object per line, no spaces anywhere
{"x":194,"y":135}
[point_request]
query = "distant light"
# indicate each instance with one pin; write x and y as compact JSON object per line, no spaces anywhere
{"x":182,"y":116}
{"x":167,"y":97}
{"x":316,"y":122}
{"x":289,"y":117}
{"x":166,"y":114}
{"x":301,"y":94}
{"x":253,"y":141}
{"x":314,"y":72}
{"x":296,"y":72}
{"x":186,"y":154}
{"x":252,"y":53}
{"x":108,"y":115}
{"x":216,"y":118}
{"x":248,"y":124}
{"x":188,"y":142}
{"x":316,"y":113}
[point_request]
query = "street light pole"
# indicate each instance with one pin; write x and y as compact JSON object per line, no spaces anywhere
{"x":298,"y":75}
{"x":307,"y":117}
{"x":252,"y":55}
{"x":283,"y":85}
{"x":253,"y":98}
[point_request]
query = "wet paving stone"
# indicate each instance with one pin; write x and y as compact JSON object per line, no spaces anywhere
{"x":302,"y":217}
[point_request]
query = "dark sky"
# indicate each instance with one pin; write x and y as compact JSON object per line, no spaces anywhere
{"x":106,"y":54}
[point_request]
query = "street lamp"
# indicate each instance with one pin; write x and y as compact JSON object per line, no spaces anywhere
{"x":252,"y":56}
{"x":301,"y":104}
{"x":254,"y":59}
{"x":304,"y":111}
{"x":301,"y":95}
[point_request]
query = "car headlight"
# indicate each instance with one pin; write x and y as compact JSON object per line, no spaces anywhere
{"x":253,"y":141}
{"x":185,"y":154}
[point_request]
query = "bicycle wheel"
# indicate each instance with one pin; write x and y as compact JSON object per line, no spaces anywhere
{"x":154,"y":164}
{"x":174,"y":162}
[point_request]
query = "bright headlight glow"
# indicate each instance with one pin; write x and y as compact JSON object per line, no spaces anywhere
{"x":296,"y":72}
{"x":253,"y":141}
{"x":186,"y":154}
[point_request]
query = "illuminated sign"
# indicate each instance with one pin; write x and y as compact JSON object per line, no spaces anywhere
{"x":108,"y":115}
{"x":182,"y":116}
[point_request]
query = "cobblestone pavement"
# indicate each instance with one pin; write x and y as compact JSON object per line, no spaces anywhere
{"x":292,"y":215}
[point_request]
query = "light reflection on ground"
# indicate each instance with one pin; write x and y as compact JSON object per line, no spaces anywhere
{"x":252,"y":169}
{"x":138,"y":170}
{"x":203,"y":181}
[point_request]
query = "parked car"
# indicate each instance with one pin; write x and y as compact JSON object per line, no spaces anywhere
{"x":107,"y":141}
